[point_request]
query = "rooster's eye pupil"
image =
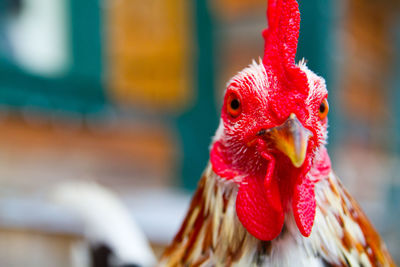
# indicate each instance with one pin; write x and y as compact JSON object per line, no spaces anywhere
{"x":322,"y":107}
{"x":235,"y":104}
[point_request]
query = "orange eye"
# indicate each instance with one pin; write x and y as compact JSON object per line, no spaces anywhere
{"x":234,"y":107}
{"x":323,"y":109}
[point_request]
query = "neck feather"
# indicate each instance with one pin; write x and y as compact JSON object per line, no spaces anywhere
{"x":210,"y":219}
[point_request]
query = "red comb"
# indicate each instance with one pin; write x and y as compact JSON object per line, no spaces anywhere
{"x":281,"y":40}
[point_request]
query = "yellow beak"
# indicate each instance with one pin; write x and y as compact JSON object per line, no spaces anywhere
{"x":291,"y":138}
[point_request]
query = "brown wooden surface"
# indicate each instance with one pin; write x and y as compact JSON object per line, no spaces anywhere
{"x":34,"y":249}
{"x":122,"y":157}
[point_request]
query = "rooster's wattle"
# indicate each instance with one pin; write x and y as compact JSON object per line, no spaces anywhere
{"x":268,"y":197}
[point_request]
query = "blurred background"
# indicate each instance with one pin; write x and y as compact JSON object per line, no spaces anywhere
{"x":127,"y":93}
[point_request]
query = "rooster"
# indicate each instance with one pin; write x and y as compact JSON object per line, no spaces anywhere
{"x":268,"y":196}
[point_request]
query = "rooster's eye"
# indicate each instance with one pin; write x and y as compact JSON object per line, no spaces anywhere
{"x":234,"y":106}
{"x":323,"y":109}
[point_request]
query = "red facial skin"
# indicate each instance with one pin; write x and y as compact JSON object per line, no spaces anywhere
{"x":269,"y":184}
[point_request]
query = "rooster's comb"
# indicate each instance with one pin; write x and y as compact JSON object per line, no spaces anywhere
{"x":281,"y":40}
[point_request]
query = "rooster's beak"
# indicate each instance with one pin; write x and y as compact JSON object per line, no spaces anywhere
{"x":291,"y":138}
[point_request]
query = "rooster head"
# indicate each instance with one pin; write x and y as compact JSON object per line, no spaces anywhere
{"x":273,"y":130}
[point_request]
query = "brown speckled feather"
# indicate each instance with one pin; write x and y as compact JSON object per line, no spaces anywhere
{"x":211,"y":234}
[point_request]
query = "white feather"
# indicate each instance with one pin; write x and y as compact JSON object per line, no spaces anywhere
{"x":106,"y":220}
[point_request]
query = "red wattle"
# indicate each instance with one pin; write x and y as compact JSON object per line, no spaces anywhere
{"x":273,"y":194}
{"x":304,"y":205}
{"x":258,"y":203}
{"x":255,"y":212}
{"x":271,"y":185}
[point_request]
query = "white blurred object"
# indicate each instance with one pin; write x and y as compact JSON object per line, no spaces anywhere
{"x":107,"y":221}
{"x":39,"y":36}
